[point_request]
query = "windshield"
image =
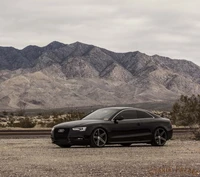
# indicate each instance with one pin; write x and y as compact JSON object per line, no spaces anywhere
{"x":101,"y":114}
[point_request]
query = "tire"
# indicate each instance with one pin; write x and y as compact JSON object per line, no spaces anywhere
{"x":98,"y":138}
{"x":64,"y":145}
{"x":126,"y":144}
{"x":159,"y":137}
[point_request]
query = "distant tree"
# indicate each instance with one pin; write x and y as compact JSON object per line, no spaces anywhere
{"x":5,"y":113}
{"x":11,"y":114}
{"x":22,"y":108}
{"x":186,"y":111}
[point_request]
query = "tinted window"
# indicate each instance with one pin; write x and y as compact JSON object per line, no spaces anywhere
{"x":129,"y":114}
{"x":101,"y":114}
{"x":141,"y":114}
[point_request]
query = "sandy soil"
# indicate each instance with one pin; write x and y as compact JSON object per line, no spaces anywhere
{"x":38,"y":157}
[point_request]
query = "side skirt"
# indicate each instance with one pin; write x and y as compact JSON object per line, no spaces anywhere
{"x":120,"y":142}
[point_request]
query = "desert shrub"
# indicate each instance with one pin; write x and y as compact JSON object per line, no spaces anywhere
{"x":20,"y":113}
{"x":196,"y":133}
{"x":11,"y":114}
{"x":5,"y":113}
{"x":16,"y":124}
{"x":71,"y":116}
{"x":59,"y":120}
{"x":76,"y":115}
{"x":27,"y":123}
{"x":39,"y":114}
{"x":11,"y":122}
{"x":45,"y":116}
{"x":55,"y":114}
{"x":55,"y":122}
{"x":2,"y":126}
{"x":41,"y":124}
{"x":186,"y":111}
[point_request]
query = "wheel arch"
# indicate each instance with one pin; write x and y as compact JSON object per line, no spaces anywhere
{"x":95,"y":127}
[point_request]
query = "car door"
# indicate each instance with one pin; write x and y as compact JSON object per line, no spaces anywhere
{"x":146,"y":123}
{"x":125,"y":130}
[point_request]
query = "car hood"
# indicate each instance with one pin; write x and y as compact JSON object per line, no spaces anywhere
{"x":78,"y":123}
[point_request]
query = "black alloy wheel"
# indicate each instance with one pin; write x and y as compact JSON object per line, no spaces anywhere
{"x":160,"y":137}
{"x":98,"y":138}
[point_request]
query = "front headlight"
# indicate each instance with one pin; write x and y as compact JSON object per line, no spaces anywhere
{"x":81,"y":129}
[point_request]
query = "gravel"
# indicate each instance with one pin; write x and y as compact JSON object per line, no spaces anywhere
{"x":39,"y":157}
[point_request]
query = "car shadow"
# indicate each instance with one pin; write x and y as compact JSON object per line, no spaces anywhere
{"x":105,"y":147}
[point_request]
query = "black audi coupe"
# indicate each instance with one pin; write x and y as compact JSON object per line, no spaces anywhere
{"x":114,"y":125}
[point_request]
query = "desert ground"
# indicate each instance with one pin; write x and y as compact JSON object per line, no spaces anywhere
{"x":39,"y":157}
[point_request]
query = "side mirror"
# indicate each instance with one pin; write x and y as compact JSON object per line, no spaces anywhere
{"x":118,"y":118}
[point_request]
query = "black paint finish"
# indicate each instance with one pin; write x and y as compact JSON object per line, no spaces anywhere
{"x":121,"y":125}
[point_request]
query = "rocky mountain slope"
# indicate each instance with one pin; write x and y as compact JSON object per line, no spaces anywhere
{"x":61,"y":75}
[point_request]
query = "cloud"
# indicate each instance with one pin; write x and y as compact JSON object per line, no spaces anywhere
{"x":164,"y":27}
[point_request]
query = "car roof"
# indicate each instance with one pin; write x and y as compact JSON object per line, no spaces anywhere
{"x":124,"y":108}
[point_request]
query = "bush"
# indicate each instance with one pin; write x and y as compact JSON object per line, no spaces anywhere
{"x":27,"y":123}
{"x":5,"y":113}
{"x":55,"y":122}
{"x":76,"y":115}
{"x":20,"y":113}
{"x":11,"y":122}
{"x":197,"y":133}
{"x":41,"y":124}
{"x":186,"y":111}
{"x":60,"y":120}
{"x":2,"y":126}
{"x":70,"y":116}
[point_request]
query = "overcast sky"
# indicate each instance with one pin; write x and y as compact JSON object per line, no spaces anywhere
{"x":164,"y":27}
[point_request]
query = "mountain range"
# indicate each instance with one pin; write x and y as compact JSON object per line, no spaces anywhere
{"x":71,"y":75}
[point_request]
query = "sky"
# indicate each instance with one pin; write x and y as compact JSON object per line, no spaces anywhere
{"x":168,"y":28}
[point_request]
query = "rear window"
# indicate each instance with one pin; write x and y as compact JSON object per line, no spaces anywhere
{"x":141,"y":114}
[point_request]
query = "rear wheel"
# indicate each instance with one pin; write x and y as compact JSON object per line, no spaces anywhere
{"x":98,"y":138}
{"x":159,"y":137}
{"x":126,"y":144}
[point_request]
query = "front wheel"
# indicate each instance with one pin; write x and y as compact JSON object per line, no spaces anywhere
{"x":98,"y":138}
{"x":159,"y":137}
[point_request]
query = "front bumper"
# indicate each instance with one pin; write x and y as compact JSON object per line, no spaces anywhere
{"x":69,"y":137}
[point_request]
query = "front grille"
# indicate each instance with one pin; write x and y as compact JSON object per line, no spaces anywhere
{"x":61,"y":133}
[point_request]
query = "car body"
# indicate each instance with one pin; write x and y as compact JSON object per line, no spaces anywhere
{"x":114,"y":125}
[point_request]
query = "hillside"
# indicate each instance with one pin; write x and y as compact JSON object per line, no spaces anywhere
{"x":61,"y":75}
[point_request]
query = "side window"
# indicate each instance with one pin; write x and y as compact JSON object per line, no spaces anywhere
{"x":141,"y":114}
{"x":129,"y":114}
